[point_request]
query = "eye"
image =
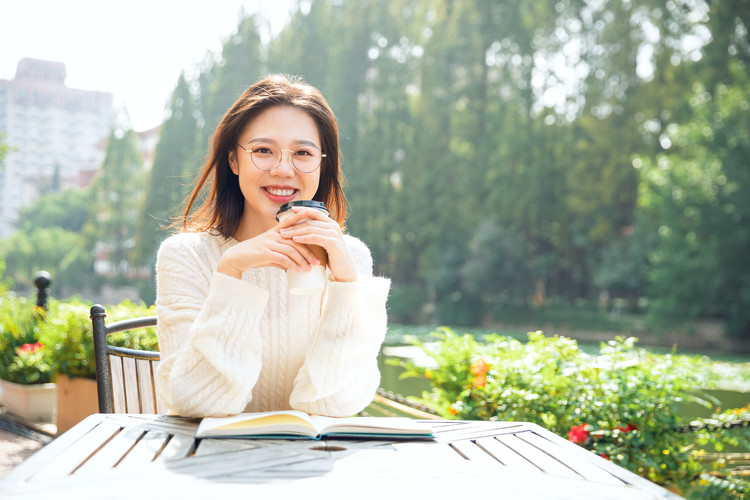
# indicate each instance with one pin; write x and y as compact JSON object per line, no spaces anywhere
{"x":262,"y":150}
{"x":304,"y":152}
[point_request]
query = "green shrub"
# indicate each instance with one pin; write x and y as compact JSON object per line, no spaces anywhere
{"x":68,"y":329}
{"x":622,"y":404}
{"x":22,"y":359}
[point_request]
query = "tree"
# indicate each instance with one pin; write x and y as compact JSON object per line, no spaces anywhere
{"x":171,"y":175}
{"x":696,"y":194}
{"x":117,"y":194}
{"x":64,"y":254}
{"x":68,"y":209}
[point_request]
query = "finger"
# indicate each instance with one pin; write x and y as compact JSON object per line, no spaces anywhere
{"x":298,"y":253}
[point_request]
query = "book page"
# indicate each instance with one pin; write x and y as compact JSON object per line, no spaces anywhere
{"x":280,"y":422}
{"x":369,"y":425}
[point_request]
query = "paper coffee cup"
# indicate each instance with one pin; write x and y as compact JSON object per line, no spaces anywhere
{"x":313,"y":281}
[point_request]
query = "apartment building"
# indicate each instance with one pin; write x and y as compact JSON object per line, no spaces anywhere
{"x":57,"y":135}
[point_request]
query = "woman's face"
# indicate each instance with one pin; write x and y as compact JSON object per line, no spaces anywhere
{"x":281,"y":127}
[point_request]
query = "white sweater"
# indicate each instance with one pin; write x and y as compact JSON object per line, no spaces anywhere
{"x":229,"y":345}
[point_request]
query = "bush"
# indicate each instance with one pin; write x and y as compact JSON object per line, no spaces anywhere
{"x":23,"y":359}
{"x":68,"y":332}
{"x":622,"y":404}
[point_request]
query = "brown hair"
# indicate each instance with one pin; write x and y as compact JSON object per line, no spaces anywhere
{"x":222,"y":207}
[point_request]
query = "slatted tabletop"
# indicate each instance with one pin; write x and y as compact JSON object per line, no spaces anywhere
{"x":157,"y":456}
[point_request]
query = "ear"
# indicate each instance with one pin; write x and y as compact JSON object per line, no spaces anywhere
{"x":232,"y":157}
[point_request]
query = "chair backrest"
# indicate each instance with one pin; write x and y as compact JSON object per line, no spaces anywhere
{"x":125,"y":378}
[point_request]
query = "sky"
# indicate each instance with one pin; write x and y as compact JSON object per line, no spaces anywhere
{"x":134,"y":49}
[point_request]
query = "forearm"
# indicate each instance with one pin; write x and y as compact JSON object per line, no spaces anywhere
{"x":211,"y":348}
{"x":340,"y":374}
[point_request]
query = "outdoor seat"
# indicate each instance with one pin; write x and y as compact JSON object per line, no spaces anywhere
{"x":126,"y":378}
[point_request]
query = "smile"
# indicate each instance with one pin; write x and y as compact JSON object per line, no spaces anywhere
{"x":280,"y":191}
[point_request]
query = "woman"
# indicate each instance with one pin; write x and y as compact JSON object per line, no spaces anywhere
{"x":231,"y":335}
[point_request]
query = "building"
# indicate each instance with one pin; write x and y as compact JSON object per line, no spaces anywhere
{"x":57,"y":135}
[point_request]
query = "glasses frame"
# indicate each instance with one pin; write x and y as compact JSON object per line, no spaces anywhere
{"x":281,"y":158}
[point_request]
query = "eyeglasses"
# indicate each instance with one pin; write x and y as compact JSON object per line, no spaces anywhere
{"x":267,"y":156}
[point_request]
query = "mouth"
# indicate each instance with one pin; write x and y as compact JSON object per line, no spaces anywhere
{"x":280,"y":194}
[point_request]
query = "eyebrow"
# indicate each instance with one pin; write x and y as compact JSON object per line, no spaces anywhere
{"x":296,"y":141}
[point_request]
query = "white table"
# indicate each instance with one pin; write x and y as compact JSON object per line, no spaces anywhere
{"x":157,"y":456}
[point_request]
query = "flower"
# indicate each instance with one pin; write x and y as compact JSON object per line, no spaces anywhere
{"x":628,"y":428}
{"x":30,"y":348}
{"x":479,"y":367}
{"x":30,"y":365}
{"x":479,"y":381}
{"x":455,"y":408}
{"x":579,"y":434}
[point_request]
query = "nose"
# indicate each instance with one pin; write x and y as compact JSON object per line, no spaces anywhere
{"x":285,"y":167}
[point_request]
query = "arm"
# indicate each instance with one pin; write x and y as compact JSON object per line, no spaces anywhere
{"x":208,"y":331}
{"x":340,"y":374}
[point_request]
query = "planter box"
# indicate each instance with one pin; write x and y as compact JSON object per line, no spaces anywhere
{"x":76,"y":400}
{"x":35,"y":402}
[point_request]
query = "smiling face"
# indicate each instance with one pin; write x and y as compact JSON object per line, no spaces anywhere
{"x":265,"y":191}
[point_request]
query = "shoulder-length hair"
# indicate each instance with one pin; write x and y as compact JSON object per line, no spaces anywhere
{"x":221,"y":208}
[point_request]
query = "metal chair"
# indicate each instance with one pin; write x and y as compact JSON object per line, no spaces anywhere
{"x":125,"y":378}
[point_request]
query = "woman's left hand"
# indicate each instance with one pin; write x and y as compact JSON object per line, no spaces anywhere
{"x":314,"y":227}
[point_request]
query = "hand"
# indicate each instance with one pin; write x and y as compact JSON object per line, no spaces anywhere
{"x":268,"y":249}
{"x":313,"y":227}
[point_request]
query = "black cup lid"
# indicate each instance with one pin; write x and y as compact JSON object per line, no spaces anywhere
{"x":318,"y":205}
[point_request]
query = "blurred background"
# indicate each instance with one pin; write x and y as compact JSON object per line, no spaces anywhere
{"x":573,"y":163}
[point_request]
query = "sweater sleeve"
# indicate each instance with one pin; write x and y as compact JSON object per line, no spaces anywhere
{"x":208,"y":329}
{"x":340,"y":374}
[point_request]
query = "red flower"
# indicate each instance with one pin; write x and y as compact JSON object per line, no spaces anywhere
{"x":628,"y":428}
{"x":30,"y":348}
{"x":604,"y":456}
{"x":479,"y":368}
{"x":578,"y":434}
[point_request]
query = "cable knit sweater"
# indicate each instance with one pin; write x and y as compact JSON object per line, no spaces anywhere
{"x":231,"y":345}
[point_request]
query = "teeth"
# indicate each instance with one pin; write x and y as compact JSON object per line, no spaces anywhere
{"x":280,"y":192}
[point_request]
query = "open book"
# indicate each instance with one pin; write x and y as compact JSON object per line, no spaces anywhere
{"x":295,"y":424}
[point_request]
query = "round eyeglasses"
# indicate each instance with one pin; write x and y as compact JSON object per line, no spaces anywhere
{"x":267,"y":156}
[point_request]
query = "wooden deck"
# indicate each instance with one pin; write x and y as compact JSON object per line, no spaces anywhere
{"x":127,"y":456}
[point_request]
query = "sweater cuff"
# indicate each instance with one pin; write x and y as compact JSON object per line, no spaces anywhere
{"x":231,"y":293}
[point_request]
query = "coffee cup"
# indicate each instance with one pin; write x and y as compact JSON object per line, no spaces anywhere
{"x":313,"y":281}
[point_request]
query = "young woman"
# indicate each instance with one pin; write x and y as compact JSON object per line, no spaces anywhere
{"x":232,"y":337}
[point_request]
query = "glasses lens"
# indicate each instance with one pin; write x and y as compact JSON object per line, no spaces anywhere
{"x":265,"y":156}
{"x":306,"y":158}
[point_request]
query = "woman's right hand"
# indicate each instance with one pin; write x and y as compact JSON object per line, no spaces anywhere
{"x":268,"y":249}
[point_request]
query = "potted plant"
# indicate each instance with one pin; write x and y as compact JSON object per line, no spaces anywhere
{"x":26,"y":363}
{"x":68,"y":333}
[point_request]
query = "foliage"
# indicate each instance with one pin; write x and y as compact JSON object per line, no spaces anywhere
{"x":622,"y":403}
{"x":31,"y":365}
{"x":68,"y":333}
{"x":117,"y":196}
{"x":171,"y":174}
{"x":68,"y":210}
{"x":61,"y":252}
{"x":696,"y":196}
{"x":22,"y":360}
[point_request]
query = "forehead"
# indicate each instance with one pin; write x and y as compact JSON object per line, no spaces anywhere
{"x":282,"y":124}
